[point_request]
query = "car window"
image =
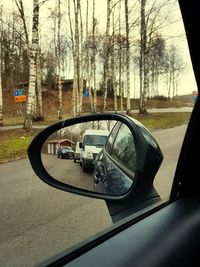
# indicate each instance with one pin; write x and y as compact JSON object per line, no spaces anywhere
{"x":124,"y":149}
{"x":95,"y":140}
{"x":111,"y":137}
{"x":69,"y":58}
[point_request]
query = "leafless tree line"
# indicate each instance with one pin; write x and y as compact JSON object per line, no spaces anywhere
{"x":101,"y":56}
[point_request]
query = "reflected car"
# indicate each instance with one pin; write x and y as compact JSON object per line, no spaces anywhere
{"x":65,"y":152}
{"x":116,"y":168}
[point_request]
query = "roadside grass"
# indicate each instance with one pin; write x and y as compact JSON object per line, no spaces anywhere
{"x":7,"y":121}
{"x":14,"y":143}
{"x":166,"y":120}
{"x":12,"y":120}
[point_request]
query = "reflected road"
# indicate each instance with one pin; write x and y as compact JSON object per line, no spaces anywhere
{"x":66,"y":171}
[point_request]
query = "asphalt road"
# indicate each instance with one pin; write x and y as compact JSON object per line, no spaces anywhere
{"x":170,"y":141}
{"x":38,"y":221}
{"x":66,"y":171}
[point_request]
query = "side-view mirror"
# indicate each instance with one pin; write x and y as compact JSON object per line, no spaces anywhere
{"x":119,"y":161}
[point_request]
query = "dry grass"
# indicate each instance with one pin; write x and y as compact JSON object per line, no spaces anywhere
{"x":14,"y":144}
{"x":14,"y":112}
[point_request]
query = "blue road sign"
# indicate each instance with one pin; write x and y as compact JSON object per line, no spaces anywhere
{"x":86,"y":93}
{"x":19,"y":92}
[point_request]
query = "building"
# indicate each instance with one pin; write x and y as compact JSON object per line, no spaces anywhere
{"x":51,"y":146}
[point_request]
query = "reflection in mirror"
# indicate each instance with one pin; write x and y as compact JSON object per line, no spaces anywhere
{"x":81,"y":155}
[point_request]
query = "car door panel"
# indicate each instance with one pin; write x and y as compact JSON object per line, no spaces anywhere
{"x":169,"y":237}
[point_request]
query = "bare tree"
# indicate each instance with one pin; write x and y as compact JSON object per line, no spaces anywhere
{"x":88,"y":47}
{"x":59,"y":64}
{"x":77,"y":53}
{"x":128,"y":106}
{"x":31,"y":103}
{"x":1,"y":96}
{"x":113,"y":60}
{"x":107,"y":55}
{"x":120,"y":60}
{"x":157,"y":52}
{"x":81,"y":64}
{"x":149,"y":32}
{"x":74,"y":91}
{"x":143,"y":61}
{"x":94,"y":22}
{"x":175,"y":67}
{"x":75,"y":41}
{"x":38,"y":86}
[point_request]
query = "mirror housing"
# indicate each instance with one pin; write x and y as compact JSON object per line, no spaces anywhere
{"x":149,"y":159}
{"x":143,"y":179}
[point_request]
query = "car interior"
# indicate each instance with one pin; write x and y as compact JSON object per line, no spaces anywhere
{"x":163,"y":233}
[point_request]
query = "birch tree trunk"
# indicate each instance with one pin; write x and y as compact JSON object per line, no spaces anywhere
{"x":74,"y":61}
{"x":88,"y":68}
{"x":20,"y":8}
{"x":173,"y":85}
{"x":1,"y":95}
{"x":81,"y":65}
{"x":128,"y":106}
{"x":59,"y":65}
{"x":120,"y":61}
{"x":77,"y":54}
{"x":169,"y":87}
{"x":31,"y":103}
{"x":113,"y":63}
{"x":39,"y":88}
{"x":94,"y":58}
{"x":143,"y":61}
{"x":107,"y":57}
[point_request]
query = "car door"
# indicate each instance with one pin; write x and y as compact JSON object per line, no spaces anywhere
{"x":116,"y":161}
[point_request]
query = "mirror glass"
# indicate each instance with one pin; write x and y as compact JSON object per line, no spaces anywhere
{"x":92,"y":156}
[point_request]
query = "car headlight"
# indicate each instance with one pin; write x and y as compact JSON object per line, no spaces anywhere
{"x":89,"y":155}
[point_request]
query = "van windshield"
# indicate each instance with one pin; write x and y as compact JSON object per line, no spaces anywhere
{"x":95,"y":140}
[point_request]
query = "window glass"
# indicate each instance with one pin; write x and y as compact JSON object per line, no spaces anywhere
{"x":111,"y":138}
{"x":95,"y":140}
{"x":124,"y":148}
{"x":81,"y":59}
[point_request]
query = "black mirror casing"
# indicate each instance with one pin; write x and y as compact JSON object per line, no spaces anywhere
{"x":142,"y":188}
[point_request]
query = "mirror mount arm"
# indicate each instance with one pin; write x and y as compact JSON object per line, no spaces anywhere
{"x":134,"y":203}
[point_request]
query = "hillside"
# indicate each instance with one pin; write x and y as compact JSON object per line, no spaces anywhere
{"x":15,"y":111}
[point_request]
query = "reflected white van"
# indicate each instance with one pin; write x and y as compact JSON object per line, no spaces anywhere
{"x":92,"y":143}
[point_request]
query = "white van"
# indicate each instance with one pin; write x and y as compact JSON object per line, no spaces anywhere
{"x":92,"y":143}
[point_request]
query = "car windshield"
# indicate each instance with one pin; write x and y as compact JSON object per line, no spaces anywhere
{"x":95,"y":140}
{"x":67,"y":149}
{"x":65,"y":59}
